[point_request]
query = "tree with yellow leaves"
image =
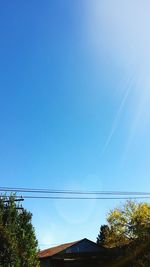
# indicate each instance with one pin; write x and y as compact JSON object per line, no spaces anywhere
{"x":128,"y":229}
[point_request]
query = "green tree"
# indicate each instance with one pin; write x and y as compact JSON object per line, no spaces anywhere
{"x":103,"y":236}
{"x":18,"y":246}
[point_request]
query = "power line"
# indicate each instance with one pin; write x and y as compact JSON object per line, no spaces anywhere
{"x":34,"y":193}
{"x":83,"y":198}
{"x":70,"y":192}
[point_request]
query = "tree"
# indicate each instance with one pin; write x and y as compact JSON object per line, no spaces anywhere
{"x":128,"y":230}
{"x":126,"y":224}
{"x":18,"y":246}
{"x":103,"y":236}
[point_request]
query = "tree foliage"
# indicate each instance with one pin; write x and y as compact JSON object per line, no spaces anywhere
{"x":129,"y":223}
{"x":128,"y":229}
{"x":103,"y":236}
{"x":18,"y":246}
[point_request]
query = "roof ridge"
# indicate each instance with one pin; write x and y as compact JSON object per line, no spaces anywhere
{"x":73,"y":242}
{"x":56,"y":249}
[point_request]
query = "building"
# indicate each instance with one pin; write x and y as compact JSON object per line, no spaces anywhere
{"x":79,"y":253}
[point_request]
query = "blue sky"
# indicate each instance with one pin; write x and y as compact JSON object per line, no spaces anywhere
{"x":74,"y":106}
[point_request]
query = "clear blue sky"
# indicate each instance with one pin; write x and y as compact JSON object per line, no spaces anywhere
{"x":74,"y":106}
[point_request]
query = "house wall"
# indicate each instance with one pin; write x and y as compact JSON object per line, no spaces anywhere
{"x":83,"y":246}
{"x":45,"y":263}
{"x":50,"y":262}
{"x":75,"y":263}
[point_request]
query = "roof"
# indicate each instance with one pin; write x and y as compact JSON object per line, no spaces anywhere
{"x":54,"y":250}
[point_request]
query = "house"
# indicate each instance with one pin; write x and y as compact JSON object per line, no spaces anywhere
{"x":75,"y":254}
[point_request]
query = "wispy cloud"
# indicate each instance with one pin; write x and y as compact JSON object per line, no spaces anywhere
{"x":119,"y":112}
{"x":123,"y":29}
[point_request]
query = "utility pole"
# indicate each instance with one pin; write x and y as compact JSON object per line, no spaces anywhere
{"x":7,"y":201}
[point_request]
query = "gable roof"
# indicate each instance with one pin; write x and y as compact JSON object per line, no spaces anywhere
{"x":54,"y":250}
{"x":57,"y":249}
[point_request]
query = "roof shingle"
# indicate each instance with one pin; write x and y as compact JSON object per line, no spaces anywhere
{"x":54,"y":250}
